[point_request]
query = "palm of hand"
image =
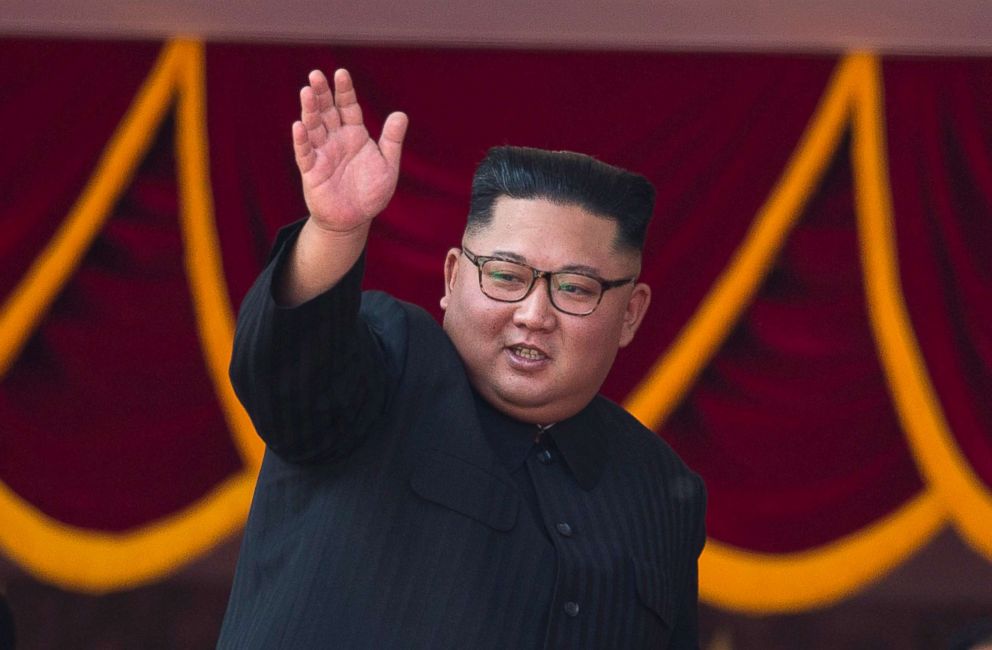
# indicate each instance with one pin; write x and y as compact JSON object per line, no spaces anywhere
{"x":350,"y":182}
{"x":347,"y":177}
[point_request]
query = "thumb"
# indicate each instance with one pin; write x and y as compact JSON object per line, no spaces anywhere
{"x":391,"y":140}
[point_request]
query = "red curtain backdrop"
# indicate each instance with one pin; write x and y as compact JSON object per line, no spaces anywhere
{"x":940,"y":140}
{"x":108,"y":418}
{"x":791,"y":422}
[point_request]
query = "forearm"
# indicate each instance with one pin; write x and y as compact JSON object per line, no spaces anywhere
{"x":308,"y":370}
{"x":311,"y":377}
{"x":317,"y":262}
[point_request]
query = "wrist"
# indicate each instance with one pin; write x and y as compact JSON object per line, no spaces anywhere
{"x":336,"y":236}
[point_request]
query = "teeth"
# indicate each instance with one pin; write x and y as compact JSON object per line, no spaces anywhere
{"x":527,"y":353}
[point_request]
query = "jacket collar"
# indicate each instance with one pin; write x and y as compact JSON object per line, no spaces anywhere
{"x":581,"y":440}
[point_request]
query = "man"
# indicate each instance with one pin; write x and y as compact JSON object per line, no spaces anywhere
{"x":464,"y":487}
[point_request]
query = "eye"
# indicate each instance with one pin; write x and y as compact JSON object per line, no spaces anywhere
{"x":577,"y":287}
{"x":506,"y":274}
{"x":573,"y":289}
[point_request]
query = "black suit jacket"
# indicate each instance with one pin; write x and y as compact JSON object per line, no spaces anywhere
{"x":383,"y":519}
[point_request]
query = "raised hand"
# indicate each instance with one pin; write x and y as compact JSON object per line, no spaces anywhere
{"x":348,"y":178}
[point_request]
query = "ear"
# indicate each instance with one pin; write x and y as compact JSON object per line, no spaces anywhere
{"x":450,"y":273}
{"x":637,"y":306}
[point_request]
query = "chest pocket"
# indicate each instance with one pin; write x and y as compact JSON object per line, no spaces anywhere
{"x":654,"y":591}
{"x":467,"y":489}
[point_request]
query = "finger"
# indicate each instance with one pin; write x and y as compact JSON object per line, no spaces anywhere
{"x":346,"y":99}
{"x":311,"y":117}
{"x":306,"y":157}
{"x":325,"y":100}
{"x":391,"y":140}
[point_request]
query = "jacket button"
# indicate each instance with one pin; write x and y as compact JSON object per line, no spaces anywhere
{"x":544,"y":456}
{"x":572,"y":609}
{"x":564,"y":529}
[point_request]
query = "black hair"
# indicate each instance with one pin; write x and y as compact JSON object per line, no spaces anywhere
{"x":565,"y":178}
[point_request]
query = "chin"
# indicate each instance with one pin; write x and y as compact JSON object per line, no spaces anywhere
{"x":535,"y":407}
{"x":523,"y":399}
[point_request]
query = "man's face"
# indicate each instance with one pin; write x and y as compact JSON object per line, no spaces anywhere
{"x":526,"y":358}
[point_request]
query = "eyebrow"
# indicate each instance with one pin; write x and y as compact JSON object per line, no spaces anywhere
{"x":568,"y":268}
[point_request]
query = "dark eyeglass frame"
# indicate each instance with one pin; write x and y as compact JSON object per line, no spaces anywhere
{"x":605,"y":285}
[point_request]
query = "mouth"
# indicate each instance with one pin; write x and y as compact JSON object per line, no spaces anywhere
{"x":528,"y":352}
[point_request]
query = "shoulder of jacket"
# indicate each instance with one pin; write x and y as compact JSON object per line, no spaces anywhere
{"x":407,"y":333}
{"x":636,"y":443}
{"x":387,"y":315}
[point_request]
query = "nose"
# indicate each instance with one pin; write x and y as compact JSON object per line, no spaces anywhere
{"x":536,"y":311}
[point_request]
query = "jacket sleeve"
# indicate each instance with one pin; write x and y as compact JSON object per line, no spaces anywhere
{"x":311,"y":377}
{"x":685,"y":636}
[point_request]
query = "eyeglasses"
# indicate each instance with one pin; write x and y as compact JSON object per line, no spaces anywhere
{"x":573,"y":293}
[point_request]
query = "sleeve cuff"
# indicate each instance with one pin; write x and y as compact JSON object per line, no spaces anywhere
{"x":338,"y":306}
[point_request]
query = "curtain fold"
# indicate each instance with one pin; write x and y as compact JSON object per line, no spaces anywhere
{"x":939,"y":129}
